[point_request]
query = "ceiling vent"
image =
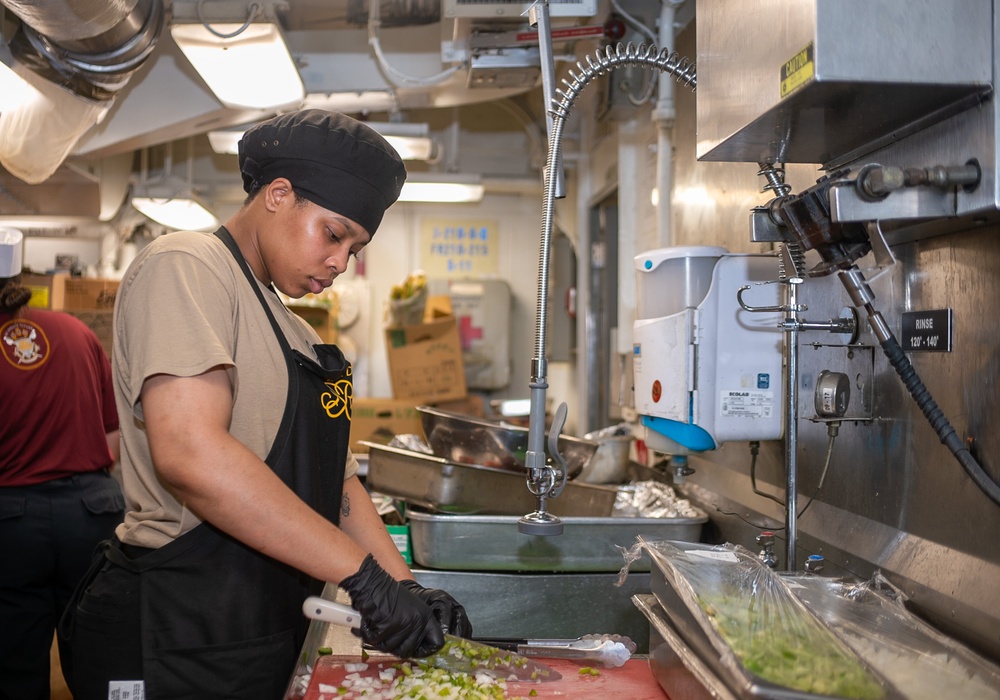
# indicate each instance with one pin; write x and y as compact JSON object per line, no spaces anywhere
{"x":498,"y":9}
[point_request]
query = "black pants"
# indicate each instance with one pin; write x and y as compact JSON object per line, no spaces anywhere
{"x":48,"y":533}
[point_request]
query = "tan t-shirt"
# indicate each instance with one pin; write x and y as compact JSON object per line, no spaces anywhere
{"x":184,"y":307}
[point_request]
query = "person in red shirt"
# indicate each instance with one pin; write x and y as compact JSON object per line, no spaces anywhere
{"x":58,"y":499}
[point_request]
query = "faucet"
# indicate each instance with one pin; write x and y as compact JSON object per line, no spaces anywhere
{"x":814,"y":563}
{"x":766,"y":540}
{"x":543,"y":481}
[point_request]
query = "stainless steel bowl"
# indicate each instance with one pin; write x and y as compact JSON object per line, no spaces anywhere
{"x":470,"y":440}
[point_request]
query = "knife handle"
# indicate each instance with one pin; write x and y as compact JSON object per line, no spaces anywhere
{"x":316,"y":608}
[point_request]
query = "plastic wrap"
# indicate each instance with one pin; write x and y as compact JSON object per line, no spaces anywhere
{"x":920,"y":661}
{"x":414,"y":443}
{"x":651,"y":499}
{"x":761,"y":631}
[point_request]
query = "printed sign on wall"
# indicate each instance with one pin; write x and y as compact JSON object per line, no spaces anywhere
{"x":450,"y":247}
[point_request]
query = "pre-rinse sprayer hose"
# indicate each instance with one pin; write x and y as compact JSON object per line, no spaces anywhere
{"x":604,"y":61}
{"x":897,"y":358}
{"x":863,"y":298}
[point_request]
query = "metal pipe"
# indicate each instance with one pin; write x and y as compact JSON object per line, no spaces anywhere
{"x":791,"y":423}
{"x":539,"y":17}
{"x":540,"y":479}
{"x":664,"y":116}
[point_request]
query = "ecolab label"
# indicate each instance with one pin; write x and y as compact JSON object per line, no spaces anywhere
{"x":746,"y":403}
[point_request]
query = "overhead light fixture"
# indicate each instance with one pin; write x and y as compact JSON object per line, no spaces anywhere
{"x":15,"y":91}
{"x":451,"y":188}
{"x":353,"y":101}
{"x":225,"y":141}
{"x":246,"y":65}
{"x":181,"y":213}
{"x":168,"y":199}
{"x":413,"y":147}
{"x":411,"y":141}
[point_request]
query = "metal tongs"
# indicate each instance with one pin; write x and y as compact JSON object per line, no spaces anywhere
{"x":610,"y":650}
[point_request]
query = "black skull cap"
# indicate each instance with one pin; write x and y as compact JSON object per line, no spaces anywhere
{"x":332,"y":160}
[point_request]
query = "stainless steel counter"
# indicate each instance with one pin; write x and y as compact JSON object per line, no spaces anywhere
{"x":540,"y":605}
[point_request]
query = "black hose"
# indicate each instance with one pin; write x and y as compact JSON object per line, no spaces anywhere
{"x":938,"y":420}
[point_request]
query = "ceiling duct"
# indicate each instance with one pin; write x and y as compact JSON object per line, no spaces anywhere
{"x":78,"y":55}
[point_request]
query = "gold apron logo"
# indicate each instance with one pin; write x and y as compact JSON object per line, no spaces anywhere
{"x":337,"y":401}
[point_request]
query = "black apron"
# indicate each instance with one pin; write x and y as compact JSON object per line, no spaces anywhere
{"x":219,"y":619}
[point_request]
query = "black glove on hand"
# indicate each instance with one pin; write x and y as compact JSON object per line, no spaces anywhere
{"x":393,"y":619}
{"x":447,"y":610}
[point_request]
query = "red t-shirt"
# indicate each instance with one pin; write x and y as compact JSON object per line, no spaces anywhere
{"x":57,"y":396}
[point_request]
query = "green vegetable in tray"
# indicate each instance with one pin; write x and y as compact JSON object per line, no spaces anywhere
{"x":789,"y":650}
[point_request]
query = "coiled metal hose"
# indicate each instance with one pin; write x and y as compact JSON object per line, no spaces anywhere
{"x":605,"y":60}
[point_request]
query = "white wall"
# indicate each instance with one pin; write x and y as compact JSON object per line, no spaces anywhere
{"x":40,"y":253}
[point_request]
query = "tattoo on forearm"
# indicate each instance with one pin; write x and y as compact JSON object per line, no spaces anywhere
{"x":345,"y":506}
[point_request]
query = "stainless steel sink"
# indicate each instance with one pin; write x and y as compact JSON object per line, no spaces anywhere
{"x":556,"y":606}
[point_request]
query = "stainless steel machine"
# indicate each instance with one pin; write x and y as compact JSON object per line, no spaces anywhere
{"x":885,"y":115}
{"x":890,"y":439}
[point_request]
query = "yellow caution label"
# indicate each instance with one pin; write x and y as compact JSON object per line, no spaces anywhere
{"x":797,"y":71}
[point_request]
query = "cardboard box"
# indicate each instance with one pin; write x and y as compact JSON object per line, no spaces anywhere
{"x":379,"y":420}
{"x":321,"y":319}
{"x":438,"y":306}
{"x":425,"y":361}
{"x":41,"y":290}
{"x":83,"y":293}
{"x":471,"y":405}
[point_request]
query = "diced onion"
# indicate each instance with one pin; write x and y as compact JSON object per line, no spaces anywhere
{"x":406,"y":680}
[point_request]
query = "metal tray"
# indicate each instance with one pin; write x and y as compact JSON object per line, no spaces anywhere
{"x":493,"y":543}
{"x":745,"y":686}
{"x":467,"y":439}
{"x":872,"y":618}
{"x":676,"y":667}
{"x":448,"y":487}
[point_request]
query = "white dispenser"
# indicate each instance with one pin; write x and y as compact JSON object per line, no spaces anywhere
{"x":706,"y":371}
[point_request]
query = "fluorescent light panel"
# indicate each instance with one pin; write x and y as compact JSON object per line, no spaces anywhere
{"x":444,"y":190}
{"x":354,"y":101}
{"x":412,"y":147}
{"x":408,"y":147}
{"x":178,"y":213}
{"x":225,"y":141}
{"x":251,"y":70}
{"x":411,"y":140}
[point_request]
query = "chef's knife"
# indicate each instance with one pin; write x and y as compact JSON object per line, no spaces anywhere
{"x":458,"y":655}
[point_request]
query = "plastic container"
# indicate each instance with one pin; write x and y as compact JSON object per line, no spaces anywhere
{"x":669,"y":280}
